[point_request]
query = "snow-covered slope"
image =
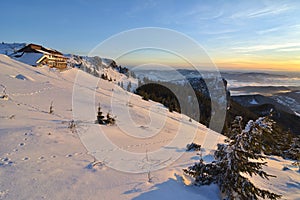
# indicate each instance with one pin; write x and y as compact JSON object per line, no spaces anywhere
{"x":41,"y":158}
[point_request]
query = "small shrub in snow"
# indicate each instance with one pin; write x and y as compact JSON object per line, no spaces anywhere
{"x":51,"y":108}
{"x":72,"y":126}
{"x":193,"y":147}
{"x":4,"y":95}
{"x":149,"y":177}
{"x":95,"y":163}
{"x":297,"y":164}
{"x":110,"y":120}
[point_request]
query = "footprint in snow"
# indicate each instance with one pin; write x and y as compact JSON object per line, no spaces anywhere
{"x":5,"y":161}
{"x":28,"y":134}
{"x":25,"y":158}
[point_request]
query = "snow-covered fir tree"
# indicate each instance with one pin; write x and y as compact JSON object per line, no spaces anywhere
{"x":109,"y":119}
{"x":100,"y":117}
{"x":294,"y":152}
{"x":129,"y":86}
{"x":239,"y":156}
{"x":273,"y":141}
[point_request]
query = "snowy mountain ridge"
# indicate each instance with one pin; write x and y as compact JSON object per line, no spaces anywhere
{"x":100,"y":67}
{"x":10,"y":48}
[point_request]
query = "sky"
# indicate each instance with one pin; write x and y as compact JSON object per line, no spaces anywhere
{"x":236,"y":34}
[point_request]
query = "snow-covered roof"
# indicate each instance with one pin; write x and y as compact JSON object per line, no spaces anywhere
{"x":47,"y":53}
{"x":43,"y":52}
{"x":49,"y":49}
{"x":30,"y":58}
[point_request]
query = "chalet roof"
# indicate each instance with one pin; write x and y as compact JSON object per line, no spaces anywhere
{"x":47,"y":53}
{"x":38,"y":48}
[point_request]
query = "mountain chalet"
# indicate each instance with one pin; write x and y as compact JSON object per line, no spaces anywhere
{"x":37,"y":55}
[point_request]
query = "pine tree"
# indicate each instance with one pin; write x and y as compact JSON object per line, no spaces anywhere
{"x":294,"y":152}
{"x":129,"y":86}
{"x":236,"y":127}
{"x":104,"y":76}
{"x":100,"y":117}
{"x":139,"y":83}
{"x":271,"y":140}
{"x":240,"y":155}
{"x":146,"y":97}
{"x":133,"y":75}
{"x":95,"y":73}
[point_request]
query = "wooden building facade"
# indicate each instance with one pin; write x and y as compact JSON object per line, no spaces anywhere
{"x":50,"y":57}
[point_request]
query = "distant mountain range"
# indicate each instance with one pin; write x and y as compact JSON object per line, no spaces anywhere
{"x":282,"y":100}
{"x":10,"y":48}
{"x":264,"y":90}
{"x":250,"y":75}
